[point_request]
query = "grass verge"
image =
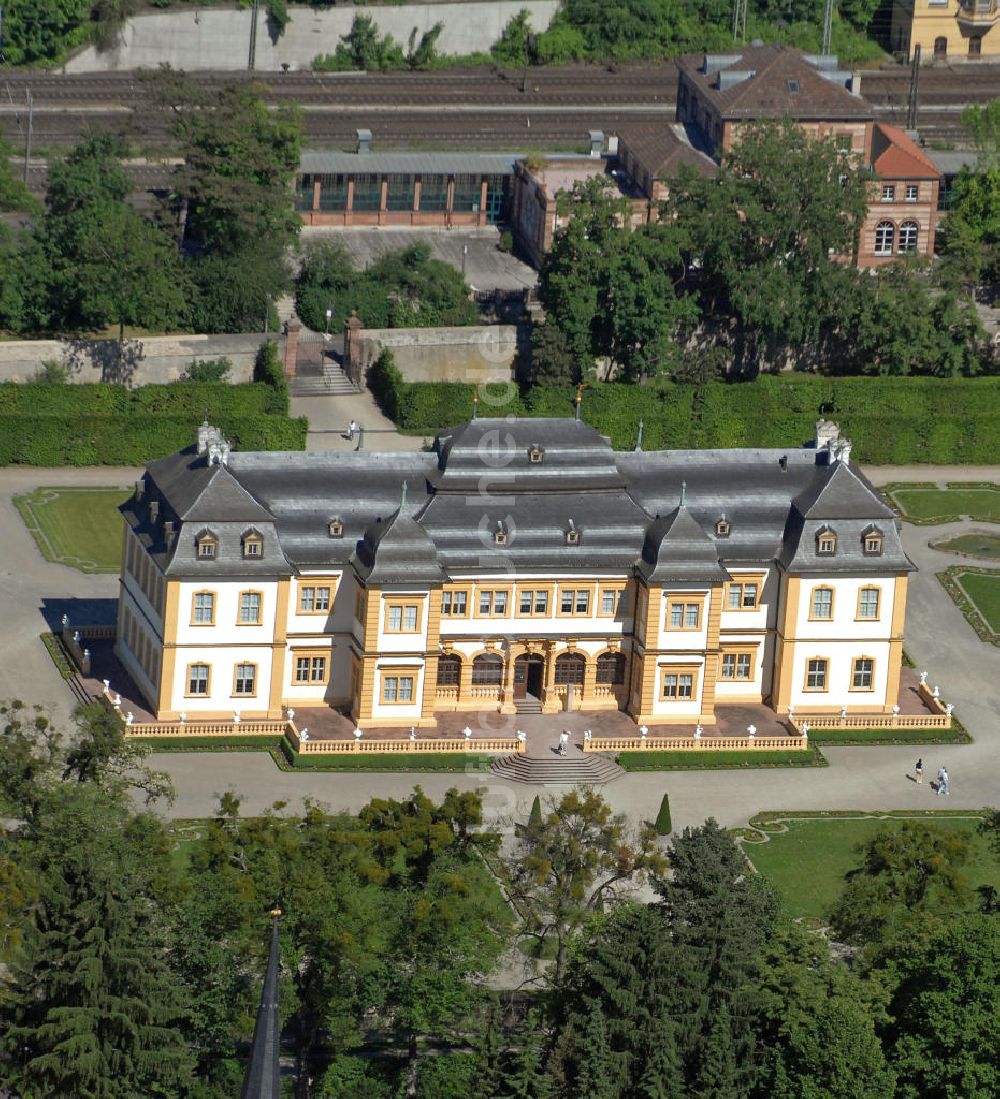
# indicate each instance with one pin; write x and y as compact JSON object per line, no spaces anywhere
{"x":718,"y":761}
{"x":77,"y":527}
{"x":976,"y":593}
{"x":925,"y":503}
{"x":806,"y":856}
{"x":55,"y":648}
{"x":208,"y":743}
{"x":957,"y":734}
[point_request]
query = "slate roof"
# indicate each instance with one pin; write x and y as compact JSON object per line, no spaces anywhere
{"x":897,"y":156}
{"x":769,"y":93}
{"x":403,"y":163}
{"x":624,"y":506}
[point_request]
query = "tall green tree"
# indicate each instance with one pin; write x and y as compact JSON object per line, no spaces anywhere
{"x":615,"y":293}
{"x":817,"y":1024}
{"x":93,"y":1008}
{"x":905,"y":872}
{"x":945,"y":1011}
{"x":766,"y":233}
{"x":579,"y":859}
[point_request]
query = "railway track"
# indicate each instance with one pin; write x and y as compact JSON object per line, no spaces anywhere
{"x":483,"y":107}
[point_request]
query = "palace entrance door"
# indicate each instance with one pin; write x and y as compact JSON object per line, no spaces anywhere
{"x":529,"y":676}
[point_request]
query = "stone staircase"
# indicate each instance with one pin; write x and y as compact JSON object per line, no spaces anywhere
{"x":591,"y":769}
{"x":529,"y":705}
{"x":331,"y":382}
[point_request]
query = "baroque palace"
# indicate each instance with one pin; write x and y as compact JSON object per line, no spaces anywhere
{"x":522,"y":565}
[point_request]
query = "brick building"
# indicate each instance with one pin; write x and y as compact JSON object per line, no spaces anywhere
{"x":717,"y":94}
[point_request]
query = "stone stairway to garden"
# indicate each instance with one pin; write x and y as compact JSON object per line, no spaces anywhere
{"x":592,"y":769}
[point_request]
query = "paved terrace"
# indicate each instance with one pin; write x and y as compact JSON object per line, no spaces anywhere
{"x":541,"y":730}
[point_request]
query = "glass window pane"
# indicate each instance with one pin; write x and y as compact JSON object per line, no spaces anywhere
{"x":676,"y":616}
{"x":410,"y":618}
{"x":434,"y":193}
{"x":691,"y":616}
{"x":400,"y":192}
{"x":500,"y":602}
{"x":541,"y":602}
{"x":485,"y":602}
{"x":582,"y":602}
{"x":735,"y":596}
{"x":333,"y":192}
{"x":750,"y":595}
{"x":367,"y":192}
{"x":468,"y":193}
{"x":395,"y":618}
{"x":525,"y":604}
{"x":566,"y":604}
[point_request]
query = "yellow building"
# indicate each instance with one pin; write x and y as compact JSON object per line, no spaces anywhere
{"x":522,"y":566}
{"x":943,"y":29}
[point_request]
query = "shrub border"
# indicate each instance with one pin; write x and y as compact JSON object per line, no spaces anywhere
{"x":949,"y":578}
{"x":720,"y":761}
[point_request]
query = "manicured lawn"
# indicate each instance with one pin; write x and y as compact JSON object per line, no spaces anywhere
{"x":651,"y":760}
{"x":927,"y":505}
{"x":390,"y":761}
{"x":807,"y":863}
{"x":955,"y":735}
{"x":78,"y":527}
{"x":984,"y":590}
{"x":974,"y":544}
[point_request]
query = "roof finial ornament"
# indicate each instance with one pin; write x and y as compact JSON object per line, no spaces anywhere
{"x":684,"y":489}
{"x":402,"y":495}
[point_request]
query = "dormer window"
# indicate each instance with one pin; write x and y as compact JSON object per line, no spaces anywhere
{"x":722,"y":527}
{"x":335,"y":528}
{"x":500,"y":535}
{"x":873,"y":543}
{"x":536,"y":454}
{"x":573,"y":534}
{"x":826,"y":543}
{"x":253,"y":544}
{"x":206,"y":546}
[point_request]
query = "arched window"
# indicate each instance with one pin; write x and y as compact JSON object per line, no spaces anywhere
{"x":611,"y":668}
{"x":487,"y":670}
{"x":908,"y":234}
{"x":940,"y":48}
{"x":570,"y":668}
{"x":885,"y":236}
{"x":449,"y":671}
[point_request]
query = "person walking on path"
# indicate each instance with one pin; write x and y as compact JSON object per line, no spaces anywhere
{"x":563,"y":741}
{"x":918,"y":771}
{"x":352,"y":429}
{"x":943,"y":782}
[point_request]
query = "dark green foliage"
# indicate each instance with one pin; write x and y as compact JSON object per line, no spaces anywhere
{"x":552,"y":362}
{"x":945,"y":1012}
{"x":386,"y":383}
{"x":402,"y":289}
{"x":50,"y":425}
{"x":535,"y":816}
{"x":94,"y":1009}
{"x":664,"y":826}
{"x":208,"y":370}
{"x":363,"y":47}
{"x":891,"y":421}
{"x":905,"y":872}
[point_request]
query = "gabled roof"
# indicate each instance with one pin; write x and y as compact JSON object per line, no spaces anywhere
{"x":663,"y":152}
{"x":678,"y":548}
{"x":896,"y":156}
{"x":770,"y":92}
{"x":198,"y":492}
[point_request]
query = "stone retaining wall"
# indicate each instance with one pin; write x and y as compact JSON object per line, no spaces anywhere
{"x":151,"y":360}
{"x":461,"y":354}
{"x":215,"y":38}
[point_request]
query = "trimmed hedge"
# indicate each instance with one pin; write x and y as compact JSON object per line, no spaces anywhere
{"x":133,"y":440}
{"x":889,"y":420}
{"x":49,"y":424}
{"x":177,"y":399}
{"x":651,"y":760}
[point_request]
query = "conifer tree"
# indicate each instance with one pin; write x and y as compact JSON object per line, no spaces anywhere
{"x":93,"y":1008}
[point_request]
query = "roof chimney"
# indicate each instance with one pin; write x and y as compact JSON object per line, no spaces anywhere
{"x":364,"y":141}
{"x":169,"y":533}
{"x":140,"y":488}
{"x":596,"y":142}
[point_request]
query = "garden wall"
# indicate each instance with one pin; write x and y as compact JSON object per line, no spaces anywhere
{"x":207,"y":38}
{"x":147,"y":361}
{"x":461,"y":354}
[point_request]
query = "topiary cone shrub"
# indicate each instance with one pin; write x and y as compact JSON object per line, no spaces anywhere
{"x":663,"y":824}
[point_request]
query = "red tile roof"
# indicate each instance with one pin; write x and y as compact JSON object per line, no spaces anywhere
{"x":768,"y":93}
{"x":896,"y":156}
